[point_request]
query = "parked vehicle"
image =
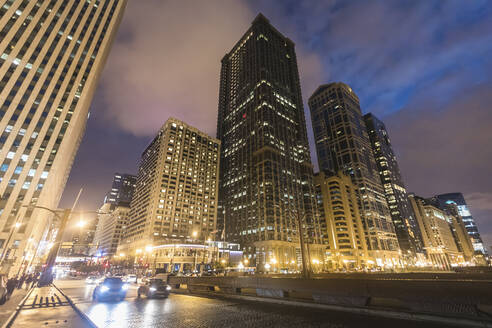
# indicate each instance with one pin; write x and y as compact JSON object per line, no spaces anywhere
{"x":154,"y":288}
{"x":111,"y":289}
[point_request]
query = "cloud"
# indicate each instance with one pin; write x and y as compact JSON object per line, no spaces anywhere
{"x":480,"y":201}
{"x":447,"y":148}
{"x":166,"y":62}
{"x":385,"y":50}
{"x":424,"y":67}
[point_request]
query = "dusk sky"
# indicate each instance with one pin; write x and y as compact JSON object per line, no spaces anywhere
{"x":423,"y":67}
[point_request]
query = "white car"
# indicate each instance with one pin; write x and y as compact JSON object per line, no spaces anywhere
{"x":92,"y":280}
{"x":131,"y":278}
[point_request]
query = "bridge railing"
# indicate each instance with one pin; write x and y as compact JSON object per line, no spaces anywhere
{"x":449,"y":297}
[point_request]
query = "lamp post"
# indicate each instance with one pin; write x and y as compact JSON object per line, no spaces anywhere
{"x":194,"y":234}
{"x":306,"y":267}
{"x":205,"y":251}
{"x":148,"y":250}
{"x":63,"y":216}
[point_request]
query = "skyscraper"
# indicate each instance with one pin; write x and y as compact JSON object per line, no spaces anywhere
{"x":342,"y":143}
{"x":437,"y":234}
{"x":266,"y":176}
{"x":113,"y":215}
{"x":406,"y":227}
{"x":111,"y":226}
{"x":121,"y":192}
{"x":51,"y":56}
{"x":340,"y":213}
{"x":176,"y":196}
{"x":463,"y":210}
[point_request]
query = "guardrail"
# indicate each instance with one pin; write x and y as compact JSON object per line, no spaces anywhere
{"x":471,"y":299}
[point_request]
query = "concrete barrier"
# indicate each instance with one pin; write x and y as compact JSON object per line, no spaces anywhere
{"x":466,"y":298}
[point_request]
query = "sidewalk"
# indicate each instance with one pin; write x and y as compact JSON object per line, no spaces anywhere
{"x":46,"y":306}
{"x":10,"y":306}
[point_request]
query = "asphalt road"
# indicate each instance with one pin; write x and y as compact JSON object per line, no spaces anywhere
{"x":193,"y":311}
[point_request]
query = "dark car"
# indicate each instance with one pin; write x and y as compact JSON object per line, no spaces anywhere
{"x":154,"y":288}
{"x":111,"y":289}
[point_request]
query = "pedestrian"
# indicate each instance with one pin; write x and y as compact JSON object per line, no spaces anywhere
{"x":34,"y":280}
{"x":11,"y":284}
{"x":28,"y":281}
{"x":21,"y":281}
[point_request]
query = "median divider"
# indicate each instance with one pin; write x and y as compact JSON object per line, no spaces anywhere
{"x":436,"y":299}
{"x":84,"y":317}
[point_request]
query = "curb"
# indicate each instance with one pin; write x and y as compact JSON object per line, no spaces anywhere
{"x":12,"y":317}
{"x":75,"y":308}
{"x":385,"y":313}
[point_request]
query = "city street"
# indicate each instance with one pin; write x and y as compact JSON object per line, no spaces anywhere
{"x":193,"y":311}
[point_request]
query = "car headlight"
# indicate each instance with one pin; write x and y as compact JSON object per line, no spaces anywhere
{"x":152,"y":289}
{"x":125,"y":287}
{"x":104,"y":289}
{"x":168,"y":287}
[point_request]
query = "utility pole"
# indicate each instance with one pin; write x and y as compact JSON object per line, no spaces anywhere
{"x":47,"y":275}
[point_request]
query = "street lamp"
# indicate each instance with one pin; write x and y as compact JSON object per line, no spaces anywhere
{"x":194,"y":234}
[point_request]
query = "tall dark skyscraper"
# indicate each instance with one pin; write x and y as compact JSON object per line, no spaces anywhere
{"x":121,"y":192}
{"x":463,"y":210}
{"x":406,"y":227}
{"x":266,"y":176}
{"x":342,"y":143}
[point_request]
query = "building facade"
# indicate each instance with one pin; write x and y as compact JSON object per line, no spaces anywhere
{"x":266,"y":175}
{"x":51,"y":56}
{"x":82,"y":228}
{"x":185,"y":258}
{"x":176,"y":194}
{"x":463,"y":210}
{"x":340,"y":215}
{"x":113,"y":215}
{"x":401,"y":212}
{"x":121,"y":192}
{"x":112,"y":223}
{"x":436,"y":227}
{"x":342,"y":143}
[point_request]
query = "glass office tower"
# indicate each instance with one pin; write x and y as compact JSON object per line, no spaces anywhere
{"x":463,"y":210}
{"x":401,"y":212}
{"x":342,"y":143}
